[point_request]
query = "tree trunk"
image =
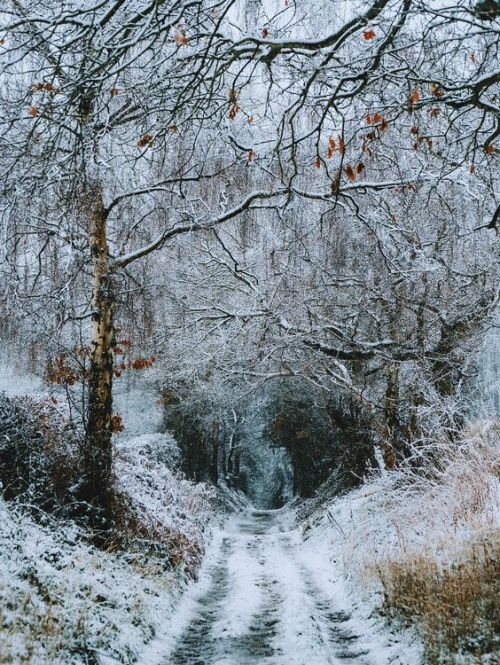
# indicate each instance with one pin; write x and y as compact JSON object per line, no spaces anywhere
{"x":97,"y":454}
{"x":391,"y":408}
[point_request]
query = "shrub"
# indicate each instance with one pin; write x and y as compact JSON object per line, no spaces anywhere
{"x":455,"y":604}
{"x":431,"y":541}
{"x":38,"y":454}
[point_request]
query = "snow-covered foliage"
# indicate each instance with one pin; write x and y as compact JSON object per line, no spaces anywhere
{"x":402,"y":534}
{"x":243,"y":195}
{"x":38,"y":453}
{"x":63,"y":600}
{"x":161,"y":505}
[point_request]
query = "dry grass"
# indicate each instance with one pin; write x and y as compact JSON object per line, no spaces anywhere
{"x":430,"y":544}
{"x":137,"y":531}
{"x":456,"y":605}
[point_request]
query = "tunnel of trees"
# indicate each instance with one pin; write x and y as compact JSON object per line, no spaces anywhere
{"x":314,"y":230}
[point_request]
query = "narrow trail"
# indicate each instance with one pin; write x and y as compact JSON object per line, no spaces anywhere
{"x":262,"y":604}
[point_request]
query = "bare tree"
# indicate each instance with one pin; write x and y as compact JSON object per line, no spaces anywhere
{"x":126,"y":126}
{"x":93,"y":164}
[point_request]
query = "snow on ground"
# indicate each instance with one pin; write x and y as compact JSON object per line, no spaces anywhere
{"x":267,"y":597}
{"x":402,"y":512}
{"x":63,"y":601}
{"x":402,"y":516}
{"x":278,"y":589}
{"x":284,"y":587}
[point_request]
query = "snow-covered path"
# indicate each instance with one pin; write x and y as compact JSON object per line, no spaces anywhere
{"x":260,"y":600}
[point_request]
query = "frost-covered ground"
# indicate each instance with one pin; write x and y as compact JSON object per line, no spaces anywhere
{"x":268,"y":597}
{"x":423,"y":545}
{"x":290,"y":587}
{"x":279,"y":588}
{"x":403,"y":513}
{"x":64,"y":602}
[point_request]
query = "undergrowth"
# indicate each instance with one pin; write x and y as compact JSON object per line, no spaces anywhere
{"x":455,"y":603}
{"x":64,"y":600}
{"x":426,"y":536}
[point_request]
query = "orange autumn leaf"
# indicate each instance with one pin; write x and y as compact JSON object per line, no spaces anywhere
{"x":434,"y":112}
{"x":376,"y":118}
{"x":233,"y":104}
{"x":368,"y":34}
{"x":33,"y":111}
{"x":250,"y":119}
{"x":144,"y":140}
{"x":116,"y":423}
{"x":415,"y":96}
{"x":490,"y":149}
{"x":341,"y":145}
{"x":180,"y":37}
{"x":472,"y":169}
{"x":368,"y":119}
{"x":141,"y":363}
{"x":436,"y":90}
{"x":350,"y":173}
{"x":250,"y":155}
{"x":265,"y":33}
{"x":360,"y":168}
{"x":383,"y":125}
{"x":233,"y":111}
{"x":317,"y":163}
{"x":335,"y":185}
{"x":332,"y":144}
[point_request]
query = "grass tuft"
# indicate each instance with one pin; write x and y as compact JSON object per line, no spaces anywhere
{"x":455,"y":604}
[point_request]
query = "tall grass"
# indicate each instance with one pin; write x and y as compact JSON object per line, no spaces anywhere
{"x":456,"y":604}
{"x":430,"y":540}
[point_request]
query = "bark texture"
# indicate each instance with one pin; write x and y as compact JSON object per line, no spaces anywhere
{"x":97,"y":458}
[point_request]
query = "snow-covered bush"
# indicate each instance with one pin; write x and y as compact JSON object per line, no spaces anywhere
{"x":68,"y":602}
{"x":160,"y":447}
{"x":424,"y":539}
{"x":160,"y":510}
{"x":65,"y":602}
{"x":38,"y":453}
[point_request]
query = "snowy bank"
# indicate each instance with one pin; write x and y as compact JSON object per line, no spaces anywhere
{"x":410,"y":542}
{"x":64,"y":601}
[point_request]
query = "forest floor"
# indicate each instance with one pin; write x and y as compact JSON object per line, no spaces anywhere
{"x":309,"y":584}
{"x":266,"y":596}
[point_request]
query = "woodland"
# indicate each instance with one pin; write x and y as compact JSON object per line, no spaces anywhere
{"x":249,"y":311}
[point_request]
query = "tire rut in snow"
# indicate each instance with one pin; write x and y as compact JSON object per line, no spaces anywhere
{"x":323,"y":638}
{"x":258,"y":641}
{"x":196,"y":639}
{"x":344,"y":644}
